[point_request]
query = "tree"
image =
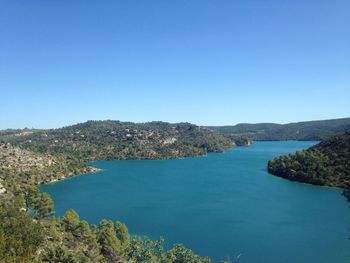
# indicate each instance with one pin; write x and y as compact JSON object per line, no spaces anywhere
{"x":146,"y":250}
{"x":58,"y":254}
{"x":70,"y":221}
{"x":180,"y":254}
{"x":110,"y":245}
{"x":20,"y":236}
{"x":44,"y":206}
{"x":122,"y":233}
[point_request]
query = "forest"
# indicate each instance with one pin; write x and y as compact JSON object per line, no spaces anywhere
{"x":327,"y":163}
{"x":115,"y":140}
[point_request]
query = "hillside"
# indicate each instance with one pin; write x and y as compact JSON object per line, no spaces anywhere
{"x":309,"y":130}
{"x":23,"y":167}
{"x":41,"y":156}
{"x":32,"y":157}
{"x":327,"y":163}
{"x":114,"y":140}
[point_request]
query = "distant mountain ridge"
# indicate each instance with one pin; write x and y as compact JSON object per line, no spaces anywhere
{"x":307,"y":130}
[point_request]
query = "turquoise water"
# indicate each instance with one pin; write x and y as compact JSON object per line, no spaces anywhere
{"x":219,"y":205}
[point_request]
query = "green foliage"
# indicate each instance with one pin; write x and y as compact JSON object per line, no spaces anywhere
{"x":39,"y":204}
{"x":110,"y":245}
{"x":20,"y":235}
{"x":107,"y":140}
{"x":71,"y":222}
{"x":122,"y":234}
{"x":58,"y":254}
{"x":107,"y":242}
{"x":44,"y":206}
{"x":327,"y":163}
{"x":180,"y":254}
{"x":78,"y":236}
{"x":145,"y":250}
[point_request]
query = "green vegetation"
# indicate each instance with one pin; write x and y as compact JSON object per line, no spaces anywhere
{"x":20,"y":166}
{"x":70,"y":240}
{"x":114,"y":140}
{"x":327,"y":163}
{"x":20,"y":236}
{"x":310,"y":130}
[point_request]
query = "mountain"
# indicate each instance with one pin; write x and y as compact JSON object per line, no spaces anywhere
{"x":115,"y":140}
{"x":40,"y":156}
{"x":309,"y":130}
{"x":327,"y":163}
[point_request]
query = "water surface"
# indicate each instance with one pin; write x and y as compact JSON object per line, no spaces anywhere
{"x":219,"y":205}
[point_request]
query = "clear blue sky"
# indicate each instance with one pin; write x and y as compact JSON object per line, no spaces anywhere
{"x":206,"y":62}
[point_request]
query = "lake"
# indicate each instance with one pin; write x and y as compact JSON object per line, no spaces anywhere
{"x":224,"y":204}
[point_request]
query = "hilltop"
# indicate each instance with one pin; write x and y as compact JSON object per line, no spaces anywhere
{"x":34,"y":157}
{"x":115,"y":140}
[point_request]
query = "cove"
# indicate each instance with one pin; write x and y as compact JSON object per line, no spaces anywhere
{"x":224,"y":204}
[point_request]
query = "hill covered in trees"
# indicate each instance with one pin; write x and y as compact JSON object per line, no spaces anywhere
{"x":115,"y":140}
{"x":309,"y":130}
{"x":327,"y":163}
{"x":40,"y":156}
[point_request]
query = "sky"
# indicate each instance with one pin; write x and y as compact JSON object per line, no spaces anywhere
{"x":217,"y":62}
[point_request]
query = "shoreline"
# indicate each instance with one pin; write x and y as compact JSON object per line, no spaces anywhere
{"x":91,"y":170}
{"x":307,"y":183}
